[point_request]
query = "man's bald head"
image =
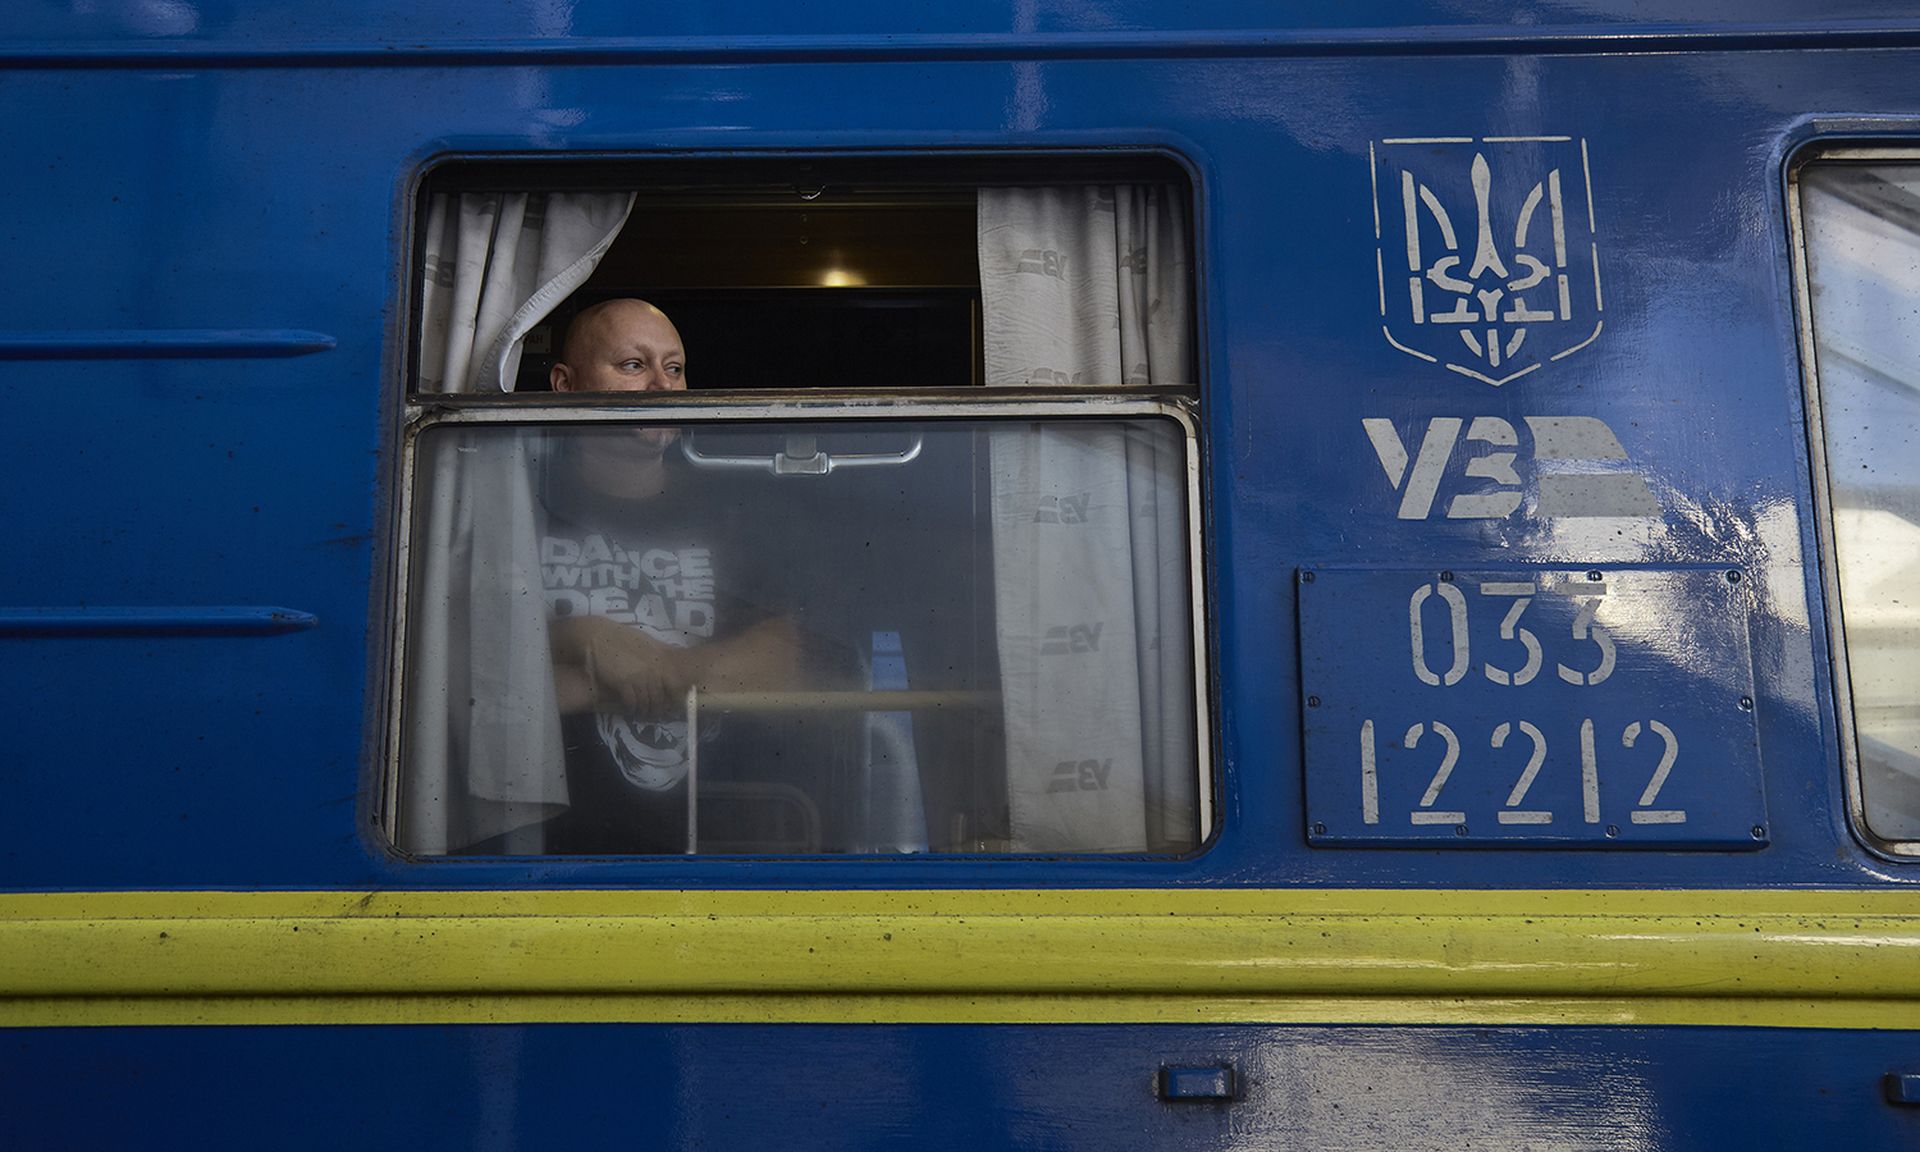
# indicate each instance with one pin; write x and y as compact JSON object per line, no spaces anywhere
{"x":620,"y":346}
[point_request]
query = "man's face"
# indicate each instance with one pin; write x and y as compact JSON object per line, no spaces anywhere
{"x":624,"y":346}
{"x":621,"y":346}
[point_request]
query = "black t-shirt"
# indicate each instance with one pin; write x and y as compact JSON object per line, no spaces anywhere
{"x":677,"y":568}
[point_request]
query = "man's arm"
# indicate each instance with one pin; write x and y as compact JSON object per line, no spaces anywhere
{"x":764,"y":658}
{"x":601,"y":665}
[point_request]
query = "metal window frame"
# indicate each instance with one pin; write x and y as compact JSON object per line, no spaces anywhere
{"x":1835,"y":610}
{"x":424,"y":413}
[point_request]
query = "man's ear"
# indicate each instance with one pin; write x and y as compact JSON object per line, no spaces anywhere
{"x":560,"y":378}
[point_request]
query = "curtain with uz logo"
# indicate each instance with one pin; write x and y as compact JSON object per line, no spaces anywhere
{"x":482,"y":736}
{"x":1088,"y":287}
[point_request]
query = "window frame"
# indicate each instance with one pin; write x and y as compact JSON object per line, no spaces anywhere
{"x":755,"y":171}
{"x":1812,"y":156}
{"x":425,"y":412}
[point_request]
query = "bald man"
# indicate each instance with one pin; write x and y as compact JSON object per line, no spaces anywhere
{"x":651,"y":589}
{"x":620,"y":346}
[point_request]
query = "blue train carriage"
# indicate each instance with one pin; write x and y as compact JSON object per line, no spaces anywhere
{"x":1073,"y":576}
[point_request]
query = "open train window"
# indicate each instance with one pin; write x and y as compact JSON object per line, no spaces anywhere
{"x":802,"y":508}
{"x":1859,"y":225}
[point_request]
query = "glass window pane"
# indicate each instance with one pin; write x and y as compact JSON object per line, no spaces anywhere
{"x":800,"y":638}
{"x":1862,"y":226}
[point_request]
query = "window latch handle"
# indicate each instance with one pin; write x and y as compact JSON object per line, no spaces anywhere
{"x":803,"y":457}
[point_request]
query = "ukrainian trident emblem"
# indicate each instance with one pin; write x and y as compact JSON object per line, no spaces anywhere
{"x":1486,"y":255}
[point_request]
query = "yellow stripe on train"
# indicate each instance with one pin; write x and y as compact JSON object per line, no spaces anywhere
{"x":1780,"y":958}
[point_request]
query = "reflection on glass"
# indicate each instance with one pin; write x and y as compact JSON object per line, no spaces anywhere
{"x":799,"y":639}
{"x":1863,"y":255}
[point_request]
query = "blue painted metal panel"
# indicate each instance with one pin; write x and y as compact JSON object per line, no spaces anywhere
{"x":257,"y":199}
{"x":964,"y":1087}
{"x":447,"y":30}
{"x":1535,"y":706}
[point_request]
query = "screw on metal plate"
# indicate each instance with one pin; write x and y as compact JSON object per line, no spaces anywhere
{"x":1758,"y":832}
{"x":1196,"y":1083}
{"x":1319,"y":829}
{"x":1306,"y":576}
{"x":1446,"y":577}
{"x":1746,"y":703}
{"x":1612,"y":831}
{"x":1313,"y":701}
{"x":1733,"y":576}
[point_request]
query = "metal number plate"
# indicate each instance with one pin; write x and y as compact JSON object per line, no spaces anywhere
{"x":1542,"y":706}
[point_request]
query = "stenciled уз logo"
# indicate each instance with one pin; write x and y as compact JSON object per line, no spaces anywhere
{"x":1485,"y":251}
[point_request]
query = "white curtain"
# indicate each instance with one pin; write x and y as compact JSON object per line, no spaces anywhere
{"x":1089,"y":287}
{"x":496,"y":264}
{"x":482,"y":739}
